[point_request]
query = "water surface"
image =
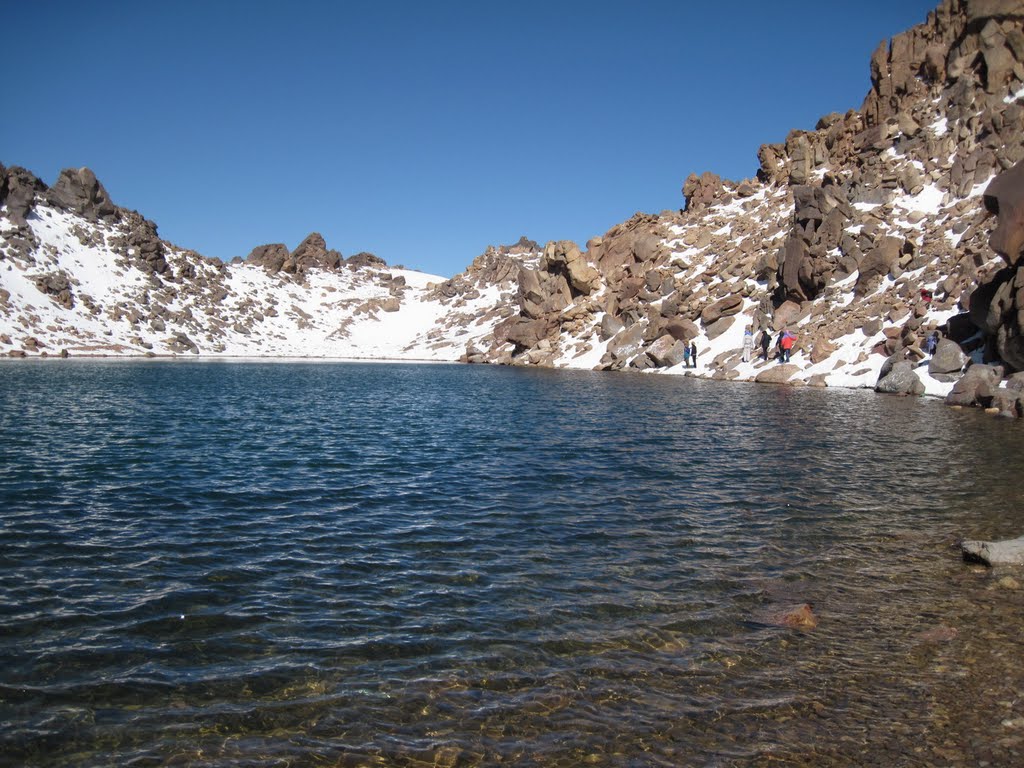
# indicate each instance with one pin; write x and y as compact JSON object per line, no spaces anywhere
{"x":263,"y":564}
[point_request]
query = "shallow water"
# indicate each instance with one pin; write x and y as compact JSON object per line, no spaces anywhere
{"x":262,"y":564}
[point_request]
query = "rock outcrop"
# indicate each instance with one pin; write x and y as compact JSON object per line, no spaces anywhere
{"x":80,"y":192}
{"x":311,"y":253}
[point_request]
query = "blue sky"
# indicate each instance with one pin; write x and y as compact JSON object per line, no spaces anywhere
{"x":420,"y":131}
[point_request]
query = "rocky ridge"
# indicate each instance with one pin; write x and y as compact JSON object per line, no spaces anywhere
{"x":864,"y":236}
{"x":82,"y":276}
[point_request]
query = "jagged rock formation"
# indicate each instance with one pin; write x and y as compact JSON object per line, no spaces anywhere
{"x":311,"y":253}
{"x":867,"y":236}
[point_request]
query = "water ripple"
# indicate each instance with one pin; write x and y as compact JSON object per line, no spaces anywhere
{"x":261,"y":564}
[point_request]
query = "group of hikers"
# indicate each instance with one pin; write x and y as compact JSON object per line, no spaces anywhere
{"x":690,"y":355}
{"x":784,"y":343}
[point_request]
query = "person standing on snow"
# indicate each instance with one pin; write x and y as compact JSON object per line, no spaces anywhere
{"x":787,"y":341}
{"x":693,"y":354}
{"x":766,"y":343}
{"x":748,"y":344}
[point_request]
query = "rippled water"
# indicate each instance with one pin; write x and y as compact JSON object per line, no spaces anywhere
{"x":219,"y":564}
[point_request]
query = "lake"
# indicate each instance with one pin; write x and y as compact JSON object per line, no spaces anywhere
{"x":270,"y":564}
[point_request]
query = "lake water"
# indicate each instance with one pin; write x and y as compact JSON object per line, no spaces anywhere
{"x":260,"y":564}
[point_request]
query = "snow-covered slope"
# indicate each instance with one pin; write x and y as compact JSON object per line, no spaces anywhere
{"x":74,"y":292}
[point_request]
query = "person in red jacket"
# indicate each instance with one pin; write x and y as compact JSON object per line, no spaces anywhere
{"x":787,"y":342}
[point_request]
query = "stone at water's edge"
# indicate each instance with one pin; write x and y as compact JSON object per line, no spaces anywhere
{"x":1009,"y":552}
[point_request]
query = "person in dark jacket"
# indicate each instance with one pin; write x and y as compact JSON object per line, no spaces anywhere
{"x":693,"y":354}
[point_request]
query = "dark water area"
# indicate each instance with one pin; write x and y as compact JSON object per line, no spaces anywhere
{"x":260,"y":564}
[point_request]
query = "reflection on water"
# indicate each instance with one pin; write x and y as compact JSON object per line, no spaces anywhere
{"x":227,"y":564}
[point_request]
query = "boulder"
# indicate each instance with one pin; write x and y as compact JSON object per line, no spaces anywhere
{"x":1007,"y":403}
{"x":18,"y":190}
{"x":682,"y":329}
{"x":703,"y":190}
{"x":729,"y":305}
{"x":564,"y":256}
{"x":976,"y":386}
{"x":364,"y":259}
{"x":526,"y":334}
{"x":667,"y":351}
{"x":312,"y":253}
{"x":1007,"y":552}
{"x":1004,"y":197}
{"x":777,"y":374}
{"x":720,"y":326}
{"x":900,"y":379}
{"x":542,"y":292}
{"x":877,"y":263}
{"x":271,"y":256}
{"x":79,"y":191}
{"x":610,"y":325}
{"x":787,"y":314}
{"x":626,"y":343}
{"x":948,"y":358}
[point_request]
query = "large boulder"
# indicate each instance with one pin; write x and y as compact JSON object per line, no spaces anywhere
{"x":312,"y":253}
{"x":729,"y":305}
{"x":564,"y":256}
{"x":682,"y":329}
{"x":542,"y":292}
{"x":976,"y":387}
{"x":1004,"y":197}
{"x":948,"y":358}
{"x":271,"y":256}
{"x":877,"y":263}
{"x":1008,"y":552}
{"x":364,"y":259}
{"x":666,"y":351}
{"x":610,"y":325}
{"x":703,"y":190}
{"x":627,"y":342}
{"x":777,"y":374}
{"x":527,"y":334}
{"x":18,"y":190}
{"x":79,"y":191}
{"x":900,"y":379}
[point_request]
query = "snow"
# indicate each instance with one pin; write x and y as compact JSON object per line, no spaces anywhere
{"x":320,"y":319}
{"x":929,"y":200}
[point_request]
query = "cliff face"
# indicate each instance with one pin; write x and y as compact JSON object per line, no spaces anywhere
{"x":865,"y":237}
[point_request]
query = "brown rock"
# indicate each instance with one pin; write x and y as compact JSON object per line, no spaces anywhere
{"x":777,"y":374}
{"x":701,"y":191}
{"x":79,"y":191}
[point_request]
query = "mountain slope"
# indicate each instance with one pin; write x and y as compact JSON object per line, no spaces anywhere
{"x":83,"y":278}
{"x":865,"y":237}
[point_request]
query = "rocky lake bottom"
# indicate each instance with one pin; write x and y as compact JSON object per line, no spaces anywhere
{"x":271,"y":564}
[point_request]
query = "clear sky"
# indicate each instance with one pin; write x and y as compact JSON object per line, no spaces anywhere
{"x":420,"y":131}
